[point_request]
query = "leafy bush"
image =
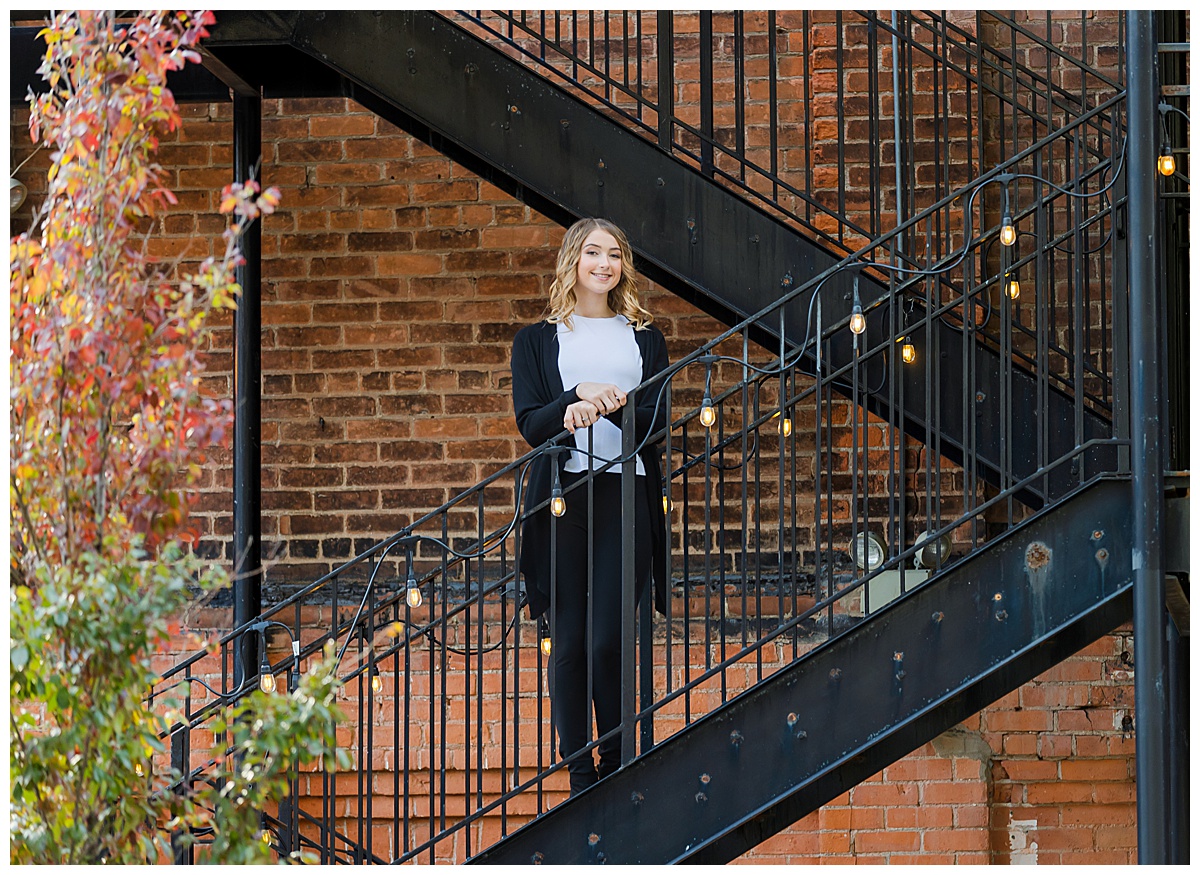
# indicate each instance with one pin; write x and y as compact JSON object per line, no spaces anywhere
{"x":109,"y":430}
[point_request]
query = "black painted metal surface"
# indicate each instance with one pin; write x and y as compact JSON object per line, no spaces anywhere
{"x":810,"y":732}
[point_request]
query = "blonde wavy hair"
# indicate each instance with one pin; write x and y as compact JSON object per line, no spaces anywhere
{"x":622,"y":298}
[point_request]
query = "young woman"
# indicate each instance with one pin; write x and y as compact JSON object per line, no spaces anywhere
{"x":572,"y":371}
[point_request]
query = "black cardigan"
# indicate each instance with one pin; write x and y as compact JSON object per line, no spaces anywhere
{"x":539,"y":403}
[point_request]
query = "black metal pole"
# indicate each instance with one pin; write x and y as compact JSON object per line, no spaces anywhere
{"x":628,"y":579}
{"x":247,"y":391}
{"x":1149,"y":596}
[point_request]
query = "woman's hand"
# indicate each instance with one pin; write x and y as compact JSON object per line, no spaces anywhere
{"x":605,"y":396}
{"x":581,"y":414}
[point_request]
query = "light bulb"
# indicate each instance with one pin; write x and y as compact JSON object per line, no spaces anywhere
{"x":858,"y":322}
{"x":1008,"y":232}
{"x":1166,"y":162}
{"x":137,"y":770}
{"x":376,"y":684}
{"x":545,"y":645}
{"x":666,"y":504}
{"x":708,"y":413}
{"x":558,"y":505}
{"x":413,"y":596}
{"x":266,"y":682}
{"x":1013,"y":289}
{"x":785,"y":427}
{"x":266,"y":837}
{"x":908,"y":352}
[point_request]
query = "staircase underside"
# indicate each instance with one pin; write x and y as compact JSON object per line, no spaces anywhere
{"x":705,"y":243}
{"x":860,"y":702}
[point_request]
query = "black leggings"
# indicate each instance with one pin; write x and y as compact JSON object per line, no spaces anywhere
{"x":569,"y":663}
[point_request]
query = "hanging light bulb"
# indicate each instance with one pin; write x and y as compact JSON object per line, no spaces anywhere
{"x":413,"y":595}
{"x":708,"y":413}
{"x":558,"y":504}
{"x":666,"y":502}
{"x":858,"y":322}
{"x":138,"y":770}
{"x":785,"y":427}
{"x":1012,"y":287}
{"x":1166,"y":160}
{"x":908,"y":352}
{"x":376,"y":682}
{"x":266,"y":678}
{"x":1008,"y":231}
{"x":545,"y":644}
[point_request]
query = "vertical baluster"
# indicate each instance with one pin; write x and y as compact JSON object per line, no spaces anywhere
{"x":575,"y":45}
{"x":739,"y":90}
{"x":553,"y":610}
{"x":405,"y":766}
{"x":1042,"y":426}
{"x":639,"y":78}
{"x":628,"y":577}
{"x":443,"y":672}
{"x":780,"y":464}
{"x":743,"y":468}
{"x":857,"y":513}
{"x":685,"y":533}
{"x":706,"y":94}
{"x":708,"y":612}
{"x":591,"y":582}
{"x":1080,"y":308}
{"x":329,"y":787}
{"x":773,"y":103}
{"x":607,"y":59}
{"x":183,"y":853}
{"x":666,"y":79}
{"x":722,"y":577}
{"x":668,"y":565}
{"x":873,"y":109}
{"x":840,"y":52}
{"x":362,"y":706}
{"x":518,"y":625}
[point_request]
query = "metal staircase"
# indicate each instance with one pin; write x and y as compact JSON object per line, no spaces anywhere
{"x":717,"y":245}
{"x":782,"y":674}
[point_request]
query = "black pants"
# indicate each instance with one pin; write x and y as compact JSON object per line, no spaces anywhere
{"x":569,"y":678}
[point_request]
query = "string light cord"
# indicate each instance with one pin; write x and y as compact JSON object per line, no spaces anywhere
{"x":1163,"y":108}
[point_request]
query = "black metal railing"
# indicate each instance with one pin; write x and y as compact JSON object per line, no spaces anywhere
{"x":445,"y":680}
{"x":783,"y":106}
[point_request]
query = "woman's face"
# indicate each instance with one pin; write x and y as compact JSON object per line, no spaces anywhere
{"x":599,"y":265}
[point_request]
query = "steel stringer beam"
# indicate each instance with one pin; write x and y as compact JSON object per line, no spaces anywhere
{"x":807,"y":734}
{"x":566,"y":159}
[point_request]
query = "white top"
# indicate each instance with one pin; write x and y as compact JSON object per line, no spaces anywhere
{"x":599,"y":351}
